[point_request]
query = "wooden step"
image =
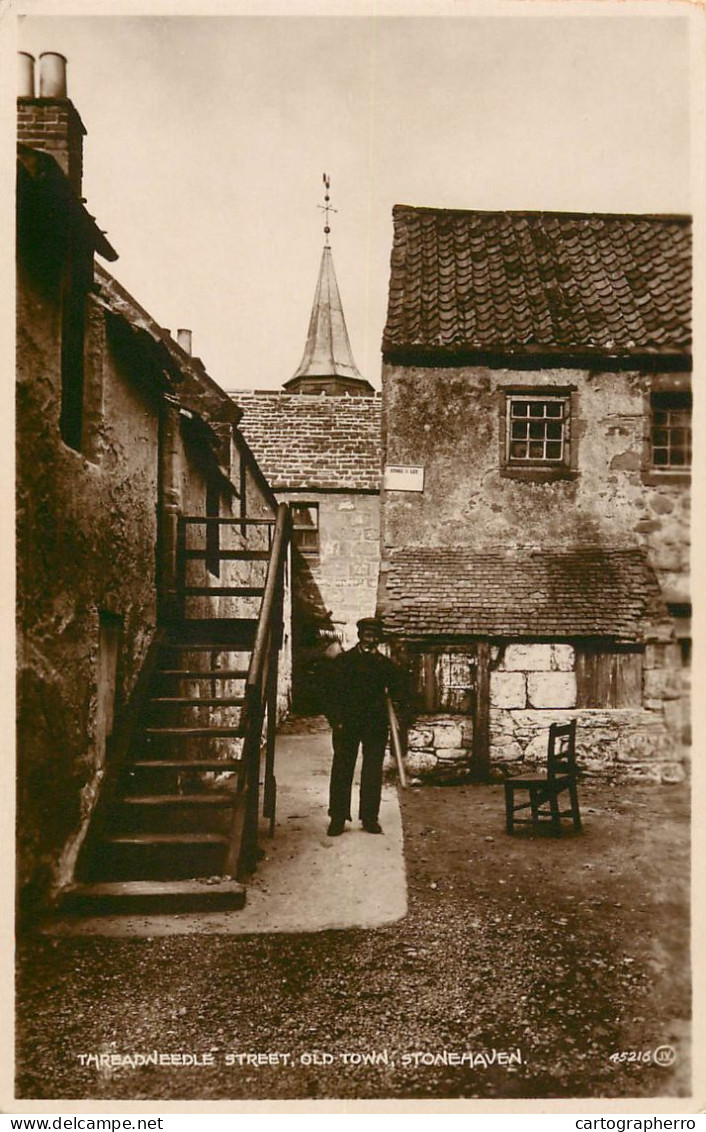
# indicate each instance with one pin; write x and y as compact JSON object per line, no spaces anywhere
{"x":224,"y":634}
{"x":225,"y":766}
{"x":174,"y":839}
{"x":152,"y":896}
{"x":159,"y":807}
{"x":230,"y":555}
{"x":148,"y":800}
{"x":200,"y":674}
{"x":199,"y":701}
{"x":153,"y":855}
{"x":223,"y":591}
{"x":194,"y":732}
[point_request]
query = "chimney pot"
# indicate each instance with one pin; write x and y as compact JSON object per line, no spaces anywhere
{"x":52,"y":75}
{"x":25,"y":87}
{"x":184,"y":340}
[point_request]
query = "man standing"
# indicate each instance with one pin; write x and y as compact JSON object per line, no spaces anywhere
{"x":358,"y":684}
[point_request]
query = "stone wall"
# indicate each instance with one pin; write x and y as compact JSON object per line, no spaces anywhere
{"x":88,"y":545}
{"x":534,"y":685}
{"x":87,"y":532}
{"x":343,"y":576}
{"x":618,"y":744}
{"x":331,"y":590}
{"x":450,"y":422}
{"x":439,"y":747}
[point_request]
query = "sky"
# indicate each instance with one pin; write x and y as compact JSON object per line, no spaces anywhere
{"x":208,"y":137}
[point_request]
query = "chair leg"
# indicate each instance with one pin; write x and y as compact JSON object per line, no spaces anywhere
{"x":534,"y":806}
{"x":575,"y":813}
{"x":509,"y":809}
{"x":556,"y":818}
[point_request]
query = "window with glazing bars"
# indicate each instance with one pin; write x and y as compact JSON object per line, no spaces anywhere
{"x":537,"y":430}
{"x":305,"y":527}
{"x":671,"y":431}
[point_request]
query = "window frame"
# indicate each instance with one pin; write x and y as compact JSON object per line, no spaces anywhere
{"x":681,"y":402}
{"x":306,"y":528}
{"x":545,"y":421}
{"x":532,"y":469}
{"x":656,"y":387}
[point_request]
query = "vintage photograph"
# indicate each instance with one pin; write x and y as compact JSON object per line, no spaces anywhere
{"x":353,"y":461}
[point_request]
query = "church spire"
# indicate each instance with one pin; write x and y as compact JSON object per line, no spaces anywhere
{"x":327,"y":365}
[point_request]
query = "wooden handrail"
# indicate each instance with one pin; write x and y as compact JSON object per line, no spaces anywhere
{"x":202,"y":520}
{"x":279,"y":545}
{"x":260,"y":701}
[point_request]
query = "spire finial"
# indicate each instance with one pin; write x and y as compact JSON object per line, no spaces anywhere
{"x":326,"y":207}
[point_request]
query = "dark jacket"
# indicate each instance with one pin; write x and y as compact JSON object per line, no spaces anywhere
{"x":355,"y":687}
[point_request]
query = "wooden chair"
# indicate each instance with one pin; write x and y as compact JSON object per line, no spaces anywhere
{"x":544,"y":789}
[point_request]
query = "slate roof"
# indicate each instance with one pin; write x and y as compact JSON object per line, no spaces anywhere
{"x":538,"y":282}
{"x":317,"y":442}
{"x":520,"y":593}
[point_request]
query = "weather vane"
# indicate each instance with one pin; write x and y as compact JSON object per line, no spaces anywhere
{"x":326,"y":207}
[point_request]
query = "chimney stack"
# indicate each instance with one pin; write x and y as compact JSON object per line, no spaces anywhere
{"x":184,"y":340}
{"x":25,"y":81}
{"x":51,"y":121}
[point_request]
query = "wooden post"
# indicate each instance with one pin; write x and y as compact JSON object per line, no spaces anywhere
{"x":395,"y":743}
{"x":270,"y":789}
{"x":169,"y":508}
{"x":481,"y":722}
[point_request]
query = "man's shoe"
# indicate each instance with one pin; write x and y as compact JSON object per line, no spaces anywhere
{"x":335,"y":828}
{"x":372,"y":827}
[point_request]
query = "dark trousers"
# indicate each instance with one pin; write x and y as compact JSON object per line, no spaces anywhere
{"x":345,"y":752}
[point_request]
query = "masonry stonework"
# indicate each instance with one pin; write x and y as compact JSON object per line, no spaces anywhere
{"x":450,"y":422}
{"x":342,"y":578}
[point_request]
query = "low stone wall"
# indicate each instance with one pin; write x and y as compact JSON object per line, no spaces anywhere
{"x":534,"y":685}
{"x":439,"y":747}
{"x":618,"y":744}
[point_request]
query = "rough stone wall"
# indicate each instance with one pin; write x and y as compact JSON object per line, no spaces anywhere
{"x":617,"y":744}
{"x":86,"y":543}
{"x":343,"y":577}
{"x":449,"y":421}
{"x":534,"y":685}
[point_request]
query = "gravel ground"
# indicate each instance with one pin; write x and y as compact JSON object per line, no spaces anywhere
{"x":569,"y":950}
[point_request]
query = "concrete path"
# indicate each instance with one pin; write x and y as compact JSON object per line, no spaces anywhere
{"x":307,"y":882}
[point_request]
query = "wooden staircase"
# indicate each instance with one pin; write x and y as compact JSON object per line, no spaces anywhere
{"x":178,"y":828}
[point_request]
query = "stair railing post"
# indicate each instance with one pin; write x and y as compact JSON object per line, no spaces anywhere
{"x":169,"y":507}
{"x":180,"y":610}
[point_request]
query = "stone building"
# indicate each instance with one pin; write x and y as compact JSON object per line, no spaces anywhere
{"x":535,"y":516}
{"x":119,"y":433}
{"x":318,"y":444}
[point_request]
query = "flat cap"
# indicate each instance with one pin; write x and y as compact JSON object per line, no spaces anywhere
{"x":373,"y":623}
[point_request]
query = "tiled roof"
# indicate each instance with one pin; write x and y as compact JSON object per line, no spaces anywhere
{"x":318,"y":442}
{"x":520,"y":593}
{"x":533,"y":282}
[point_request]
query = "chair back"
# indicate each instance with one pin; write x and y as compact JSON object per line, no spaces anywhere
{"x":561,"y":753}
